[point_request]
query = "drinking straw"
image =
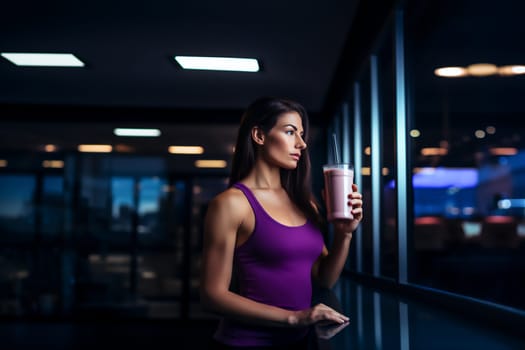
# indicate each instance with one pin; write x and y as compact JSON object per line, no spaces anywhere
{"x":336,"y":151}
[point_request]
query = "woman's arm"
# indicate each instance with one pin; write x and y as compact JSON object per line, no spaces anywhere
{"x":223,"y":219}
{"x":328,"y":267}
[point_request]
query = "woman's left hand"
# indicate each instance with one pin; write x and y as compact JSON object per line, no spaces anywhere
{"x":347,"y":226}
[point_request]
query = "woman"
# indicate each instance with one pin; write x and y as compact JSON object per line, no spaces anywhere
{"x":264,"y":234}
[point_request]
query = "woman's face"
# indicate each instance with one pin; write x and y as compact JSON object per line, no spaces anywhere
{"x":283,"y":145}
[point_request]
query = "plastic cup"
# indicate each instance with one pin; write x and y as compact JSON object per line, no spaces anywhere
{"x":338,"y":179}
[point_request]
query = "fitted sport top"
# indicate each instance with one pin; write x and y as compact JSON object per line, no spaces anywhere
{"x":272,"y":267}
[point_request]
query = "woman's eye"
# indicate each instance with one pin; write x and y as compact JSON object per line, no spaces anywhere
{"x":289,"y":132}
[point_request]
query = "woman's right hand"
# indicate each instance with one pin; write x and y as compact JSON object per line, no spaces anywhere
{"x":318,"y":313}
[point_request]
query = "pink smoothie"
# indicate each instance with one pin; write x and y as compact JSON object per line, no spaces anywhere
{"x":338,"y":185}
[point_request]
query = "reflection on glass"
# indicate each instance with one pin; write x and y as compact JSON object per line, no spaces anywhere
{"x":327,"y":331}
{"x":378,"y":330}
{"x":152,"y":206}
{"x":404,"y":333}
{"x":16,"y":203}
{"x":359,"y":318}
{"x":52,"y":205}
{"x":123,"y":206}
{"x":481,"y":164}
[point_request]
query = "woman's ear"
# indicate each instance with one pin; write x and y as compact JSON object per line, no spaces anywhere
{"x":258,"y":135}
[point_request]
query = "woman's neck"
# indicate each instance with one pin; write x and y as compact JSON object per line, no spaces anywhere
{"x":264,"y":176}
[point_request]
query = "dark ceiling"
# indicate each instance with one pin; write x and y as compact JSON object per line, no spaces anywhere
{"x":128,"y":48}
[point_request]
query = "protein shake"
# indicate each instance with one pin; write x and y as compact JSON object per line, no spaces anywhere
{"x":338,"y":180}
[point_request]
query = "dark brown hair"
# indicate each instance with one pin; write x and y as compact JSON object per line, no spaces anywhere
{"x":264,"y":113}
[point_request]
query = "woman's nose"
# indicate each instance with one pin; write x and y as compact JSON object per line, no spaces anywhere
{"x":301,"y":144}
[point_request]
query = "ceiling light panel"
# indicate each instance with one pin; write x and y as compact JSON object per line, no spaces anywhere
{"x":211,"y":163}
{"x":137,"y":132}
{"x":95,"y":148}
{"x":186,"y":149}
{"x":218,"y":63}
{"x":43,"y":59}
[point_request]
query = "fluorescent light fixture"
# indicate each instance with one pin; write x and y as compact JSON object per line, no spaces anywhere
{"x":218,"y":63}
{"x":511,"y":70}
{"x":503,"y":151}
{"x":121,"y":148}
{"x":136,"y":132}
{"x":43,"y":59}
{"x":482,"y":69}
{"x":95,"y":148}
{"x":50,"y":148}
{"x":451,"y":72}
{"x":434,"y":151}
{"x":210,"y":163}
{"x":518,"y":69}
{"x":186,"y":150}
{"x":56,"y":164}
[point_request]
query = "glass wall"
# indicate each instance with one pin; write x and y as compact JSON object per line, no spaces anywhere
{"x":469,"y":154}
{"x":100,"y":235}
{"x":17,"y":209}
{"x":364,"y":87}
{"x":383,"y":59}
{"x":452,"y":75}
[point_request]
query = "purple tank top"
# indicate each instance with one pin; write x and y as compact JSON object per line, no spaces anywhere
{"x":272,"y":267}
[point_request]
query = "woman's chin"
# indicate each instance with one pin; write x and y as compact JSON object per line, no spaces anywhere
{"x":290,"y":166}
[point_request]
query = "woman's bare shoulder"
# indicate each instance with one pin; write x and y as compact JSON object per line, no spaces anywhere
{"x":231,"y":200}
